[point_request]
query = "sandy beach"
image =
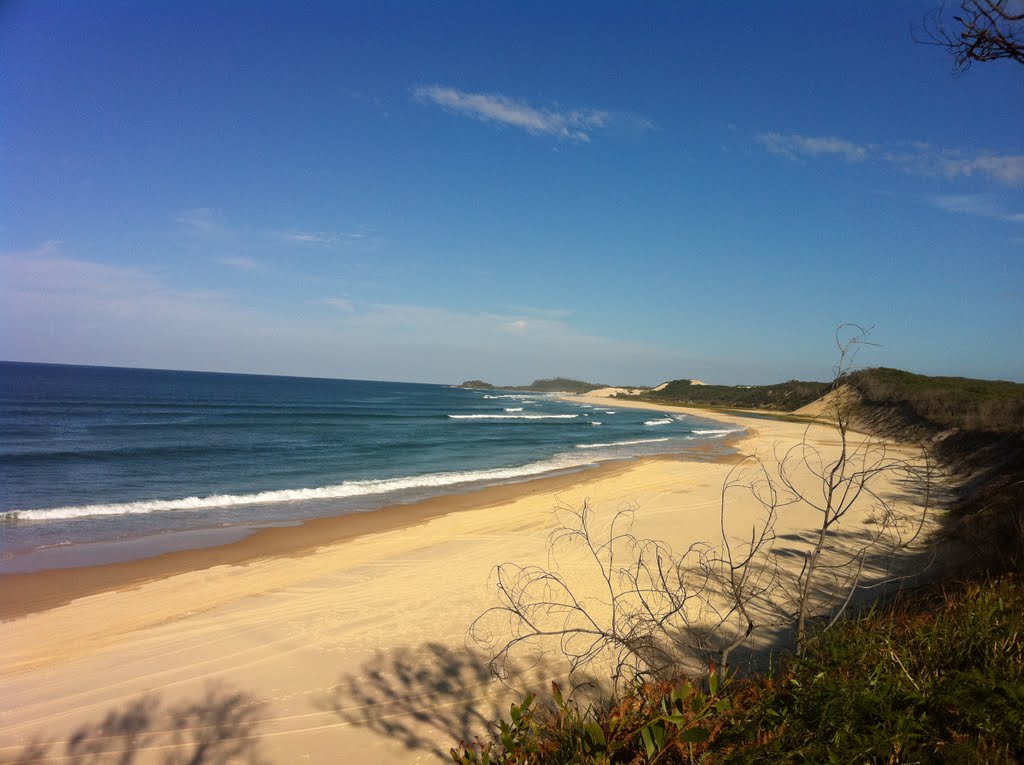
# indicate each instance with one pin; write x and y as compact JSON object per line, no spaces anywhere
{"x":341,"y":640}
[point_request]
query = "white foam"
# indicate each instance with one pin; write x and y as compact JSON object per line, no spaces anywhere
{"x":338,"y":491}
{"x":718,"y":432}
{"x":666,"y":421}
{"x":513,"y":409}
{"x":622,"y":443}
{"x":513,"y":416}
{"x":595,"y":422}
{"x":610,"y":411}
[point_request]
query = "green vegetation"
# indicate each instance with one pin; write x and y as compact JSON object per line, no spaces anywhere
{"x":975,"y":429}
{"x":546,"y":385}
{"x":650,"y":724}
{"x":560,"y":385}
{"x":939,"y":402}
{"x":993,"y":406}
{"x":783,"y":397}
{"x":933,"y":676}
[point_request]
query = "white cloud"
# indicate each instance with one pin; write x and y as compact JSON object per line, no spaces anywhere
{"x":794,"y":146}
{"x":979,"y":205}
{"x":568,"y":124}
{"x":916,"y":157}
{"x":1007,"y":169}
{"x":309,"y":237}
{"x":322,"y":238}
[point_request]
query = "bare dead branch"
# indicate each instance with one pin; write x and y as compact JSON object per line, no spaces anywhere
{"x":976,"y":30}
{"x":648,"y":610}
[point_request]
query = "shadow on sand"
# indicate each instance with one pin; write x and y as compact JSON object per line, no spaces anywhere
{"x":218,"y":729}
{"x":431,"y":697}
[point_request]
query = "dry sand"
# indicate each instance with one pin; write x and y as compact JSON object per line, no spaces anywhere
{"x":341,"y":641}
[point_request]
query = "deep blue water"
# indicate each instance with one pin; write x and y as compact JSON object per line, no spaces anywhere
{"x":90,"y":454}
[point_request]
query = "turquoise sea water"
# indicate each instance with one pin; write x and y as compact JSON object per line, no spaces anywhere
{"x":97,"y":455}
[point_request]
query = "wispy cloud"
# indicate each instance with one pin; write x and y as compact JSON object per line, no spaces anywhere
{"x":321,"y":238}
{"x":53,"y":281}
{"x":342,"y":304}
{"x":210,"y":227}
{"x":555,"y":314}
{"x":201,"y":219}
{"x":915,"y":158}
{"x":309,"y":237}
{"x":240,"y":262}
{"x":566,"y":124}
{"x":57,"y":307}
{"x":979,"y":205}
{"x":795,"y":146}
{"x":924,"y":159}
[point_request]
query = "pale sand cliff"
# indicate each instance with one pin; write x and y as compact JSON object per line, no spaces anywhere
{"x":354,"y":651}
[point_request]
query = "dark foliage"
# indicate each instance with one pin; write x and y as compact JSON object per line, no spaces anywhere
{"x":782,"y":397}
{"x":559,"y":385}
{"x":931,"y":403}
{"x":975,"y":428}
{"x":545,"y":385}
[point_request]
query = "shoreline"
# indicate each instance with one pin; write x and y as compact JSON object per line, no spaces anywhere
{"x":27,"y":592}
{"x":23,"y":593}
{"x":343,"y":634}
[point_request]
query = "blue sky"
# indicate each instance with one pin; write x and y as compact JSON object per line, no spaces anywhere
{"x":619,"y":192}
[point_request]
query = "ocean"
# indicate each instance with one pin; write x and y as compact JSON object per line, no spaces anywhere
{"x":142,"y":460}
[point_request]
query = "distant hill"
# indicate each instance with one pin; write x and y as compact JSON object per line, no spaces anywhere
{"x":560,"y":385}
{"x":546,"y":385}
{"x":782,"y":397}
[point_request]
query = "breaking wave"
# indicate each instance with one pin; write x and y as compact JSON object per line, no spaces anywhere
{"x":623,"y":443}
{"x":513,"y":416}
{"x":338,"y":491}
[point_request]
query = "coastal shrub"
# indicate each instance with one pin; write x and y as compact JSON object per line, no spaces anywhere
{"x":936,"y":676}
{"x":994,"y":406}
{"x":782,"y":397}
{"x":666,"y":722}
{"x":932,"y":676}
